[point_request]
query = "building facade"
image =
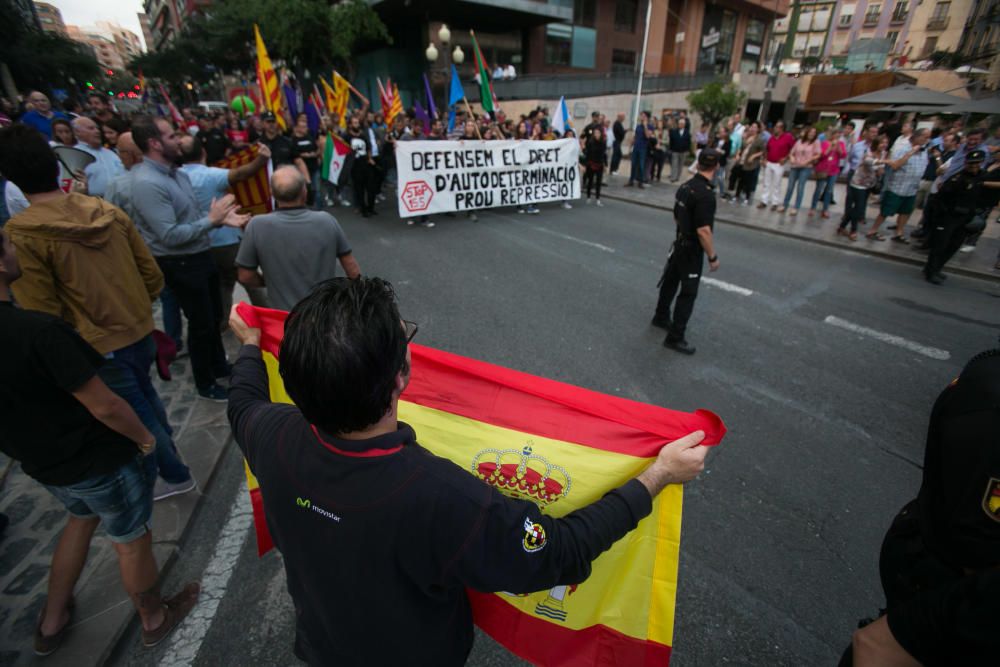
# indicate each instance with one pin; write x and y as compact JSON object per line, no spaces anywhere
{"x":164,"y":18}
{"x":147,"y":35}
{"x":50,"y":18}
{"x":103,"y":46}
{"x":127,"y":42}
{"x":937,"y":26}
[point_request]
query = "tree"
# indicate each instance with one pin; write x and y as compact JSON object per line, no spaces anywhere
{"x":716,"y":101}
{"x":305,"y":34}
{"x":39,"y":59}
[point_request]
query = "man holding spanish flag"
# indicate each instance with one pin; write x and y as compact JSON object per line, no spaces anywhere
{"x":388,"y":547}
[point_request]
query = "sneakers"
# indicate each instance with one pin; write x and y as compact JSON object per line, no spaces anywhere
{"x":967,"y":248}
{"x":427,"y":223}
{"x":533,"y":210}
{"x":567,"y":205}
{"x":681,"y":346}
{"x":174,"y":611}
{"x":215,"y":392}
{"x":164,"y":489}
{"x":762,"y":205}
{"x":473,"y":217}
{"x":598,"y":203}
{"x":520,"y":209}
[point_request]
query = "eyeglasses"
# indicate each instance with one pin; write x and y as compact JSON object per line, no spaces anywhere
{"x":410,"y":329}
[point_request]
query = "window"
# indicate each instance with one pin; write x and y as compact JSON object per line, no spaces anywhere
{"x":558,"y":43}
{"x":821,"y":20}
{"x":872,"y":14}
{"x":940,"y":10}
{"x":799,"y":46}
{"x":584,"y":50}
{"x":892,"y":36}
{"x":846,"y":15}
{"x":755,"y":31}
{"x":814,"y":44}
{"x":930,"y":46}
{"x":625,"y":15}
{"x":622,"y":61}
{"x":899,"y":11}
{"x":805,"y":20}
{"x":585,"y":13}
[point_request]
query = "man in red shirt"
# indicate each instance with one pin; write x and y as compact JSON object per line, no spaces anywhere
{"x":778,"y":147}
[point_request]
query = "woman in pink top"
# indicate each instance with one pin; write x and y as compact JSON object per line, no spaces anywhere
{"x":804,"y":156}
{"x":833,"y":151}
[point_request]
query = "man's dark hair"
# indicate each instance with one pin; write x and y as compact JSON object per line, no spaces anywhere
{"x":191,"y":151}
{"x":343,"y":346}
{"x":27,"y":160}
{"x":978,"y":131}
{"x":144,"y":128}
{"x":102,"y":98}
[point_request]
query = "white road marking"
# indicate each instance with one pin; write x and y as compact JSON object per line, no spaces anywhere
{"x":899,"y":341}
{"x":592,"y":244}
{"x":729,"y":287}
{"x":186,"y":640}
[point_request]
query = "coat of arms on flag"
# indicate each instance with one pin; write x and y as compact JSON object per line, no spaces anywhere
{"x":562,"y":447}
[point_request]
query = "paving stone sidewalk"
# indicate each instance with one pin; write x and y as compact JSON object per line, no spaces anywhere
{"x":201,"y":433}
{"x":979,"y":263}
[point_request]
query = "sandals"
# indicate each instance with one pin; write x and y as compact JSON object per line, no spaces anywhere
{"x":874,"y":236}
{"x":901,"y":239}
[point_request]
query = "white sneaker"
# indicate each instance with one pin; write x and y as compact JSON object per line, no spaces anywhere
{"x":967,"y":248}
{"x":411,"y":222}
{"x":533,"y":210}
{"x":599,"y":203}
{"x":520,"y":209}
{"x":473,"y":217}
{"x":380,"y":197}
{"x":344,"y":202}
{"x":566,"y":204}
{"x":427,"y":224}
{"x":164,"y":489}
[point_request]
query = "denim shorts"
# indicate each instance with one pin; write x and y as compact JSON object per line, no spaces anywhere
{"x":122,"y":499}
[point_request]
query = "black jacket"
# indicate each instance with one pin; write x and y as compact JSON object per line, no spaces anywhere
{"x":680,"y":140}
{"x":380,"y":538}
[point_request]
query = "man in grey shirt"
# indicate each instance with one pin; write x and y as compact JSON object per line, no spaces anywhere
{"x":169,"y":218}
{"x":295,"y":247}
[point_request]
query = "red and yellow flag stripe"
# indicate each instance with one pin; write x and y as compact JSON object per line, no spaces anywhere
{"x":487,"y":418}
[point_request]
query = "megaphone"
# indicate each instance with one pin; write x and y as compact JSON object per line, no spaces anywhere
{"x":74,"y":159}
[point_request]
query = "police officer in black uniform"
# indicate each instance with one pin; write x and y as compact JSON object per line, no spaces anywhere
{"x":951,"y":210}
{"x":940,"y":560}
{"x":694,"y":213}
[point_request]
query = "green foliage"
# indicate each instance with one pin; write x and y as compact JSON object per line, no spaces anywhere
{"x":308,"y":34}
{"x":41,"y":60}
{"x":716,"y":101}
{"x":946,"y":59}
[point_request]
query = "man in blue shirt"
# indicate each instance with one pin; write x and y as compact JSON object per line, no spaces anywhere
{"x":176,"y":230}
{"x":640,"y":147}
{"x":213,"y":183}
{"x":106,"y":166}
{"x":41,"y":115}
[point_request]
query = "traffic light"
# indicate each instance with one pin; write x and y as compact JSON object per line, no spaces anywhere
{"x":90,"y":85}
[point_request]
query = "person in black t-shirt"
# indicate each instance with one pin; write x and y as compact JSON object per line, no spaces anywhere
{"x":282,"y":147}
{"x":389,"y":520}
{"x":85,"y":444}
{"x":307,"y":150}
{"x":213,"y":138}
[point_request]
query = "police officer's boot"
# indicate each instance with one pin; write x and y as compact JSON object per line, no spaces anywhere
{"x":679,"y":345}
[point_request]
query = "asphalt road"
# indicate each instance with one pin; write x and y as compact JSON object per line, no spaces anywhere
{"x":825,"y":375}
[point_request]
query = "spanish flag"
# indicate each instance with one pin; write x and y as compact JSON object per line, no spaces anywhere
{"x":270,"y":87}
{"x":561,"y":447}
{"x":254,"y":194}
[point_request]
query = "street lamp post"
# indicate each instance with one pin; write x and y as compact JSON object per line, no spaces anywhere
{"x":432,"y":54}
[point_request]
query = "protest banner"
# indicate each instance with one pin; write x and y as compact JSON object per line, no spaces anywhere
{"x":445,"y":176}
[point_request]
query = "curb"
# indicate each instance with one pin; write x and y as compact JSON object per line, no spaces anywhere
{"x":913,"y":261}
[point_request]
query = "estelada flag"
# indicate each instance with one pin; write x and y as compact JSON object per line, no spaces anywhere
{"x":254,"y":194}
{"x":563,"y":448}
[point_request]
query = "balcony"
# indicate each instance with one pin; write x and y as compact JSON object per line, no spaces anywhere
{"x":871,"y":20}
{"x":937,"y":22}
{"x":898,"y":18}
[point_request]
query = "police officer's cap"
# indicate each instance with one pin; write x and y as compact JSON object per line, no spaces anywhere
{"x":976,"y":156}
{"x":708,"y":158}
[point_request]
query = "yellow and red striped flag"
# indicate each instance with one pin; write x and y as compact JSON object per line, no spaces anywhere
{"x":561,"y":447}
{"x":396,"y":108}
{"x":270,"y":86}
{"x":254,"y":194}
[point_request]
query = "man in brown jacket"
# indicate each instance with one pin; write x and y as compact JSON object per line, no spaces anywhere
{"x":83,"y":261}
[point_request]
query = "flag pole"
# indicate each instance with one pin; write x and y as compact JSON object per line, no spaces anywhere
{"x":472,"y":116}
{"x":642,"y":65}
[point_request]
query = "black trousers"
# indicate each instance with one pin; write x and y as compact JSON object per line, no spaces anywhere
{"x":746,"y":183}
{"x":683,"y":273}
{"x":194,"y":281}
{"x":616,"y":156}
{"x":947,"y":232}
{"x":592,"y":179}
{"x":363,"y":178}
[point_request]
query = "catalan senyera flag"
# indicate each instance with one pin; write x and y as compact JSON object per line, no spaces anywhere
{"x":252,"y":195}
{"x":396,"y":107}
{"x":342,"y":95}
{"x":270,"y":86}
{"x":561,"y":447}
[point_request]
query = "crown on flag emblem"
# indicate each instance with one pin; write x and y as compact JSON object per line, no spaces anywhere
{"x":522,"y":474}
